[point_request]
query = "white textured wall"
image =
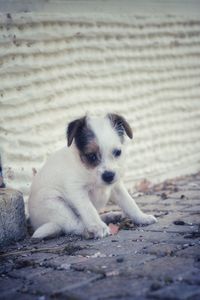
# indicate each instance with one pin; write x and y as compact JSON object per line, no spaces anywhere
{"x":56,"y":66}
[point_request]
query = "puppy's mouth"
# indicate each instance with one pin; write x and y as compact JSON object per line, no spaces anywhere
{"x":109,"y":183}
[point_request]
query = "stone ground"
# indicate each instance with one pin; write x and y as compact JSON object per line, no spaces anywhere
{"x":160,"y":261}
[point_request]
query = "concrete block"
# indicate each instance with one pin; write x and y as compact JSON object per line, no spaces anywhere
{"x":12,"y":216}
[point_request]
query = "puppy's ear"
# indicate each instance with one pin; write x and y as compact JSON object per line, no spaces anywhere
{"x":73,"y":128}
{"x":120,"y":125}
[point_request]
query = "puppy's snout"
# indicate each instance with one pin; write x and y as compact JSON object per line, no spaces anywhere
{"x":108,"y":176}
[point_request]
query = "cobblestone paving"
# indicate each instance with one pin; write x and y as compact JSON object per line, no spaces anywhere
{"x":160,"y":261}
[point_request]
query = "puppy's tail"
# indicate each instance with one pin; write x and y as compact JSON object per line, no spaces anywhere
{"x":47,"y":230}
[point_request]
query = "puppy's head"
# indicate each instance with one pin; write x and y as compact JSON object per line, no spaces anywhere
{"x":100,"y":144}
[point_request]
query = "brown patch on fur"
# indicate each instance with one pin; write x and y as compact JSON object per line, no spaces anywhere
{"x":91,"y":151}
{"x":91,"y":147}
{"x":85,"y":141}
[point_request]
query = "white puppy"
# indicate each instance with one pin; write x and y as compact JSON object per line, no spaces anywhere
{"x":79,"y":179}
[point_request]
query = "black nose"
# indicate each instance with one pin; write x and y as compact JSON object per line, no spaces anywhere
{"x":108,"y":176}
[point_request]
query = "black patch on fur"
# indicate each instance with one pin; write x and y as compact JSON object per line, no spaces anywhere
{"x":83,"y":137}
{"x":85,"y":142}
{"x":73,"y":128}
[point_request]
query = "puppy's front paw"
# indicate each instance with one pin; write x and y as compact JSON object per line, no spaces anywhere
{"x":145,"y":219}
{"x":97,"y":231}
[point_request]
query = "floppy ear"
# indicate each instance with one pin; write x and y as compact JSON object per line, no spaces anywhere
{"x":120,"y":125}
{"x":73,"y":128}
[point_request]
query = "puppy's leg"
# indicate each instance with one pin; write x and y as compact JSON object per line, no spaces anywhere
{"x":47,"y":230}
{"x":127,"y":203}
{"x":88,"y":214}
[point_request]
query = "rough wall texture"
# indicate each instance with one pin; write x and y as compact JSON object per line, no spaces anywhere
{"x":55,"y":67}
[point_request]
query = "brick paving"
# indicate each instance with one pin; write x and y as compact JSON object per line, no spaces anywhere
{"x":160,"y":261}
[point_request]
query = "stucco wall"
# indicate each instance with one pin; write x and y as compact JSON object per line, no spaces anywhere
{"x":56,"y":65}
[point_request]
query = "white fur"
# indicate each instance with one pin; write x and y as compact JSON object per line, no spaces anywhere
{"x":66,"y":196}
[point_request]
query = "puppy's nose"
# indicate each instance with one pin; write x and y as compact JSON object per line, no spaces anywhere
{"x":108,"y":176}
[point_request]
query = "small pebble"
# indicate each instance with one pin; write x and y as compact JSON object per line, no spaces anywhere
{"x":197,"y":259}
{"x":155,"y":286}
{"x":64,"y":267}
{"x":192,"y":244}
{"x":180,"y":278}
{"x":163,"y":196}
{"x":79,"y":268}
{"x":179,"y":222}
{"x":104,"y":267}
{"x":112,"y":273}
{"x":120,"y":259}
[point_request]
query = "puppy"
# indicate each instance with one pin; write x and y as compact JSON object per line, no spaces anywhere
{"x":78,"y":180}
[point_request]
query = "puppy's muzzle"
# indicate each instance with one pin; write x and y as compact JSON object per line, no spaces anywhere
{"x":108,"y":176}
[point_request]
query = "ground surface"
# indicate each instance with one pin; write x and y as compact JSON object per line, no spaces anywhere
{"x":160,"y":261}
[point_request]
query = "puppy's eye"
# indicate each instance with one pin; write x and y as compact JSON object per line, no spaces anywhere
{"x":91,"y":157}
{"x":117,"y":152}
